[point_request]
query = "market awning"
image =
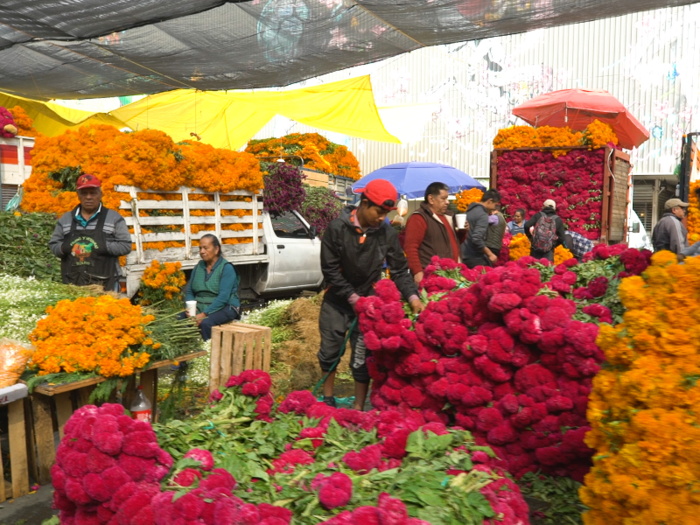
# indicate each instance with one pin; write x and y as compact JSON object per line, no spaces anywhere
{"x":229,"y":120}
{"x":91,"y":48}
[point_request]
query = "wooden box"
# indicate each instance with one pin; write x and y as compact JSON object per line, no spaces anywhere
{"x":236,"y":347}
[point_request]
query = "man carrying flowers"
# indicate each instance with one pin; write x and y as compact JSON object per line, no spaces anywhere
{"x":669,"y":233}
{"x":431,"y":231}
{"x":353,"y":251}
{"x":474,"y":249}
{"x":90,"y":239}
{"x":546,"y":231}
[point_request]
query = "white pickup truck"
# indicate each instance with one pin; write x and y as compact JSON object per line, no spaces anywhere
{"x":279,"y":256}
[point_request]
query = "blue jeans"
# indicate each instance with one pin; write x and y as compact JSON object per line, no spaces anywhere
{"x":223,"y":316}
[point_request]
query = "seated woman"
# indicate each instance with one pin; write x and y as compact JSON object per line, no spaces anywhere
{"x":214,"y":285}
{"x":517,"y":225}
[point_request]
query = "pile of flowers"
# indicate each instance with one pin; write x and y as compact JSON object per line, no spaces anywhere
{"x":305,"y":462}
{"x":574,"y":181}
{"x":464,"y":198}
{"x":92,"y":334}
{"x":25,"y":125}
{"x":508,"y":354}
{"x":147,"y":159}
{"x":596,"y":135}
{"x":318,"y":153}
{"x":320,"y":207}
{"x":162,"y":283}
{"x":643,"y":407}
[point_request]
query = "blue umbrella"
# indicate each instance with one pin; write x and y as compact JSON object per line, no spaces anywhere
{"x":412,"y":178}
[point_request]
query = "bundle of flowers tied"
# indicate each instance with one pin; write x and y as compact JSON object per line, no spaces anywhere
{"x":303,"y":462}
{"x":507,"y":353}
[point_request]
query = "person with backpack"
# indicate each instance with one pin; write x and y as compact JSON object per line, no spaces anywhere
{"x":546,"y":231}
{"x":474,"y":250}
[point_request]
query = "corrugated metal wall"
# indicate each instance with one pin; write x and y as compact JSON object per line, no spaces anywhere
{"x":648,"y":60}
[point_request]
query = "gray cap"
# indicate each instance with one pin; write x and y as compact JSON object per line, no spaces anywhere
{"x":673,"y":203}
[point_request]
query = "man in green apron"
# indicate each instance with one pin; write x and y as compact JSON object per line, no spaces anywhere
{"x":90,"y":239}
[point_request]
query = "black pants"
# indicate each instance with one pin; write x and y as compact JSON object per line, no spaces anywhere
{"x":223,"y":316}
{"x":333,"y":325}
{"x":543,"y":255}
{"x":473,"y":262}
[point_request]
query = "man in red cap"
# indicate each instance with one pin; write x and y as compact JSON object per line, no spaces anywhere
{"x":90,"y":239}
{"x":353,"y":251}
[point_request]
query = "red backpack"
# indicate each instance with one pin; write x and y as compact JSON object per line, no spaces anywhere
{"x":545,"y":234}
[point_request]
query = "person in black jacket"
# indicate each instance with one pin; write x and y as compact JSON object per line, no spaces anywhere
{"x":353,"y":251}
{"x":474,"y":249}
{"x":549,"y":211}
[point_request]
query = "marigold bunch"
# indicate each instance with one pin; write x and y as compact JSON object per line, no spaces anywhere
{"x":643,"y":408}
{"x":92,"y":334}
{"x":162,"y":282}
{"x":464,"y":198}
{"x":318,"y":153}
{"x":25,"y":125}
{"x":694,"y":213}
{"x":519,"y":247}
{"x":562,"y":254}
{"x":596,"y":135}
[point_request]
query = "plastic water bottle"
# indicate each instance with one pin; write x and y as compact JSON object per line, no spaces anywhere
{"x":141,"y":406}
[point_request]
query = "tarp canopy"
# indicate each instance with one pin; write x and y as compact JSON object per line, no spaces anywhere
{"x":91,"y":48}
{"x":229,"y":120}
{"x":226,"y":119}
{"x":53,"y":119}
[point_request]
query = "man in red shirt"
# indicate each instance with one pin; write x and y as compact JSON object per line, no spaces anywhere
{"x":431,"y":231}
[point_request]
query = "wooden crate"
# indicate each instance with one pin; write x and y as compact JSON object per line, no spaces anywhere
{"x":236,"y":347}
{"x":13,"y":397}
{"x":58,"y":402}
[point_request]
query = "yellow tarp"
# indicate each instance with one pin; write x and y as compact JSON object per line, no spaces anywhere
{"x":52,"y":119}
{"x":230,"y":120}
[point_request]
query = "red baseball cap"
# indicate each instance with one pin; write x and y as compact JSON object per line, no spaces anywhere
{"x":87,"y":181}
{"x":380,"y":192}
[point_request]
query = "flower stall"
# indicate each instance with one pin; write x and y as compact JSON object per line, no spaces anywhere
{"x":584,"y":172}
{"x":89,"y":346}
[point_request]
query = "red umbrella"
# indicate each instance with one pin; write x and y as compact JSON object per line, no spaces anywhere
{"x":576,"y":108}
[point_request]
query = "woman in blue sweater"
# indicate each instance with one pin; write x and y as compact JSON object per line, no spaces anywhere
{"x":214,"y":285}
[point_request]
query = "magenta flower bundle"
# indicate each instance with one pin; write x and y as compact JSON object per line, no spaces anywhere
{"x":322,"y":464}
{"x":501,"y":358}
{"x":109,"y":470}
{"x":527,"y":178}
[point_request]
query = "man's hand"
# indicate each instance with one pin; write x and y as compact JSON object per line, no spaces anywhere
{"x":418,"y":278}
{"x":417,"y":306}
{"x":492,"y":257}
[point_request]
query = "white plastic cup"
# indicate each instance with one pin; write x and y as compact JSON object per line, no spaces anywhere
{"x":191,"y":308}
{"x":461,"y":219}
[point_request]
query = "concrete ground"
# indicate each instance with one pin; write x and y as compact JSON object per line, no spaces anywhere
{"x":32,"y":509}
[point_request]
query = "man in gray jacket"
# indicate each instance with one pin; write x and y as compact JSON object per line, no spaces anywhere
{"x":669,"y":233}
{"x":474,"y":249}
{"x":90,"y":239}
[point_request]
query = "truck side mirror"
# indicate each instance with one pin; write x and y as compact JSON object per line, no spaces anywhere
{"x":313,"y":232}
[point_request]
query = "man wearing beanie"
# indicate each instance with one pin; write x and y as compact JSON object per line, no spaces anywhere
{"x":90,"y":239}
{"x":353,"y":252}
{"x":546,"y":231}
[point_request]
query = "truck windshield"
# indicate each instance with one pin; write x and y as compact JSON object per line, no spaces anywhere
{"x":289,"y":226}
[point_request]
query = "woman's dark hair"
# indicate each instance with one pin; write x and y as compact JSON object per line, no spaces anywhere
{"x":214,"y":240}
{"x":521,"y":212}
